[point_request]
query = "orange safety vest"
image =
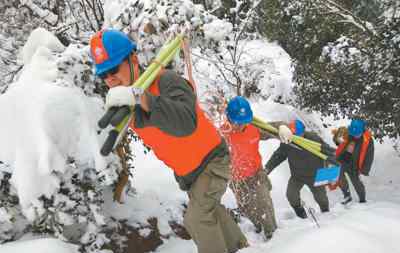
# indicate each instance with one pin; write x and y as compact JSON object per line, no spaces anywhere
{"x":246,"y":159}
{"x":364,"y":147}
{"x":182,"y":154}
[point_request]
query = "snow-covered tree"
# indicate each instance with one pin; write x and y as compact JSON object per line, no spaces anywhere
{"x":233,"y":54}
{"x":70,"y":21}
{"x":345,"y":57}
{"x":59,"y":97}
{"x":61,"y":88}
{"x":8,"y":208}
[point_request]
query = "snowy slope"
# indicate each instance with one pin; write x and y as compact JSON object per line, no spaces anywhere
{"x":38,"y":245}
{"x":371,"y":228}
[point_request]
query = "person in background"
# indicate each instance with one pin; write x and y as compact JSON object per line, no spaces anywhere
{"x":355,"y":152}
{"x":250,"y":183}
{"x":303,"y":167}
{"x":168,"y":118}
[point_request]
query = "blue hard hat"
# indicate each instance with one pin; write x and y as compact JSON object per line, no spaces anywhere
{"x":297,"y":127}
{"x":109,"y":48}
{"x":239,"y":111}
{"x":356,"y":127}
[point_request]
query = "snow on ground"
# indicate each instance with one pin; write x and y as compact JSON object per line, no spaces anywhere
{"x":45,"y":245}
{"x":157,"y":194}
{"x":373,"y":227}
{"x":370,"y":228}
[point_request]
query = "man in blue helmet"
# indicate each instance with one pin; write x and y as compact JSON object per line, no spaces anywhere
{"x":168,"y":119}
{"x":303,"y":167}
{"x":250,"y":183}
{"x":356,"y":154}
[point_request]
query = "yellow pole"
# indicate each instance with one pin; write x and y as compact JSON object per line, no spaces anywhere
{"x":309,"y":145}
{"x":150,"y":78}
{"x":164,"y":53}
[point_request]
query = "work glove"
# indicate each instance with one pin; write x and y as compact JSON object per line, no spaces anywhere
{"x":285,"y":134}
{"x":119,"y":101}
{"x":120,"y":96}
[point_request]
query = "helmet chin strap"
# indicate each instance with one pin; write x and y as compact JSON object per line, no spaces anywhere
{"x":134,"y":68}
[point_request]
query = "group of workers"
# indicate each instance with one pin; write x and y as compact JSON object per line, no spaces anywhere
{"x":168,"y":118}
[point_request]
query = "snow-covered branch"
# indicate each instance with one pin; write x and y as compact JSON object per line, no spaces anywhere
{"x":348,"y":16}
{"x":49,"y":17}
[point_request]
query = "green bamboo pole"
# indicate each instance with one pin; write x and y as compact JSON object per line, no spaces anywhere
{"x":312,"y":150}
{"x":144,"y":84}
{"x":310,"y":142}
{"x":309,"y":145}
{"x":164,"y":53}
{"x":163,"y":58}
{"x":273,"y":130}
{"x":265,"y":125}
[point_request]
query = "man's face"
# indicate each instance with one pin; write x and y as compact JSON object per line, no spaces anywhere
{"x":118,"y":76}
{"x":238,"y":127}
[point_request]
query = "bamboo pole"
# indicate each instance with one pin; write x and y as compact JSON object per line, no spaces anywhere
{"x":309,"y":145}
{"x":163,"y":58}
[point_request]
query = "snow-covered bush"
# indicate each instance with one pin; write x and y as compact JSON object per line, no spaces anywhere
{"x":59,"y":98}
{"x":74,"y":212}
{"x":8,"y":203}
{"x":71,"y":21}
{"x":152,"y":23}
{"x":240,"y":69}
{"x":56,"y":169}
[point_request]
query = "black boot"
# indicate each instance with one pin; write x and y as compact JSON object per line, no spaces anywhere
{"x":347,"y":199}
{"x":300,"y":212}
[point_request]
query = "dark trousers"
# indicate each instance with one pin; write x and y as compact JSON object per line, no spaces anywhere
{"x":355,"y":180}
{"x":293,"y":194}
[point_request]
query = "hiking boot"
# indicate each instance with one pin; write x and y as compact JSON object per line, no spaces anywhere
{"x":242,"y":244}
{"x":363,"y":201}
{"x":324,"y":209}
{"x":258,"y":228}
{"x":346,"y":200}
{"x":300,"y":212}
{"x":268,"y":235}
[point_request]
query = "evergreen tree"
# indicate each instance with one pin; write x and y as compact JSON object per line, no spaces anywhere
{"x":345,"y":57}
{"x":74,"y":212}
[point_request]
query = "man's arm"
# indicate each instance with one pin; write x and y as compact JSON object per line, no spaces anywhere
{"x":325,"y":148}
{"x":173,"y":111}
{"x":265,"y":135}
{"x":369,"y":158}
{"x":277,"y":158}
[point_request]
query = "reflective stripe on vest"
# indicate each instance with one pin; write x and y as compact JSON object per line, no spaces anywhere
{"x":363,"y":152}
{"x":182,"y":154}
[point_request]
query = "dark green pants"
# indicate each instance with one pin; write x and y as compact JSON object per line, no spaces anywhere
{"x":355,"y":180}
{"x":254,"y":201}
{"x":206,"y":219}
{"x":293,"y":193}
